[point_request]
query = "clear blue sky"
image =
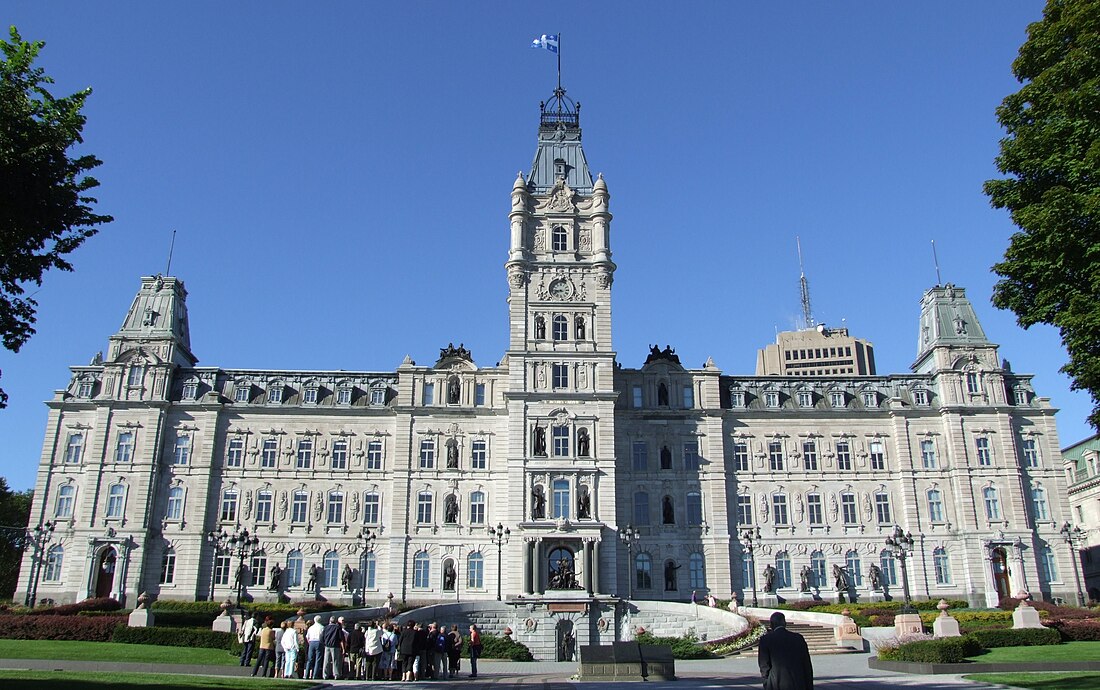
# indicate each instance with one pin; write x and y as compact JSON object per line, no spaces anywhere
{"x":339,"y":177}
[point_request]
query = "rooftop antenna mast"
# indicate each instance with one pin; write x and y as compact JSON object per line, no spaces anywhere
{"x":936,"y":259}
{"x":171,"y":248}
{"x":804,"y":288}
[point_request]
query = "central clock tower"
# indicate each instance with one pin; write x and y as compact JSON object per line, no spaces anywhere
{"x":561,"y":395}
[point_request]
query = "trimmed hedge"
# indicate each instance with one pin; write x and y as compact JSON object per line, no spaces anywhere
{"x":1077,"y":630}
{"x":104,"y":604}
{"x":175,"y":637}
{"x":947,"y":650}
{"x":493,"y":647}
{"x":1023,"y":637}
{"x":47,"y":627}
{"x":686,"y":647}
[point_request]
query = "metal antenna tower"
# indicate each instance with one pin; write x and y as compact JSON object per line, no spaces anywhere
{"x":936,"y":260}
{"x":804,"y":288}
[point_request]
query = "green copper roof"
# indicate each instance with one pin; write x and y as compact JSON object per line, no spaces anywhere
{"x":1076,"y":455}
{"x":559,"y":152}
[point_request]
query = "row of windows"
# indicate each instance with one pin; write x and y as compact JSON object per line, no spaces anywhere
{"x":816,"y":569}
{"x":643,"y":572}
{"x":818,"y":353}
{"x":276,"y":394}
{"x":559,"y":327}
{"x":846,"y":509}
{"x":687,"y":396}
{"x":453,"y":393}
{"x":693,"y":509}
{"x":639,"y":453}
{"x":777,"y":459}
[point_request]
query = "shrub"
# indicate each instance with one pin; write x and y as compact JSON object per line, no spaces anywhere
{"x":734,"y":643}
{"x":174,"y":637}
{"x":212,"y":608}
{"x":47,"y":627}
{"x":1024,"y":637}
{"x":685,"y":647}
{"x":504,"y":647}
{"x":947,"y":650}
{"x":1077,"y":630}
{"x":103,"y":604}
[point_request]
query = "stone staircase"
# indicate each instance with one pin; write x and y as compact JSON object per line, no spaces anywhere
{"x":819,"y":639}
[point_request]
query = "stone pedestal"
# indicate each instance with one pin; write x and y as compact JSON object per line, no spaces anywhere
{"x":1025,"y":617}
{"x":140,"y":618}
{"x":945,"y":626}
{"x":768,"y":601}
{"x":847,"y":633}
{"x":627,"y":661}
{"x":908,"y":624}
{"x":225,"y":623}
{"x":876,"y":596}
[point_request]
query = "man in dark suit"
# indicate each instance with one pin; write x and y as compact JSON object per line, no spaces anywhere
{"x":784,"y":658}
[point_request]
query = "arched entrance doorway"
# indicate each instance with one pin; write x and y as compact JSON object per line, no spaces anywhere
{"x":998,"y":561}
{"x":105,"y":573}
{"x":562,"y":569}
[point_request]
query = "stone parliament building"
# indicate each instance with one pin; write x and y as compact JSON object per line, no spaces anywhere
{"x":361,"y":484}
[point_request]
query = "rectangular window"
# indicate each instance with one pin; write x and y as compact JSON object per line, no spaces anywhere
{"x":275,"y":394}
{"x":843,"y":456}
{"x":809,"y":455}
{"x":935,"y":506}
{"x":972,"y":383}
{"x":229,"y":506}
{"x":737,"y":399}
{"x":240,"y":394}
{"x":848,"y":508}
{"x":1031,"y":452}
{"x":257,"y":571}
{"x":920,"y":398}
{"x":985,"y":456}
{"x":744,"y":509}
{"x":928,"y":454}
{"x":429,"y":393}
{"x":372,"y":507}
{"x":427,"y":454}
{"x":309,"y":396}
{"x":116,"y":500}
{"x":1020,"y":396}
{"x":694,"y":505}
{"x":636,"y":393}
{"x":882,"y":509}
{"x":771,"y":399}
{"x":374,"y":455}
{"x":343,"y":396}
{"x":424,"y":508}
{"x":299,"y":507}
{"x":805,"y":399}
{"x":641,"y":508}
{"x":135,"y":375}
{"x":836,"y":399}
{"x":561,"y":375}
{"x":65,"y":495}
{"x":339,"y":455}
{"x":234,"y":452}
{"x":378,"y":396}
{"x":560,"y":496}
{"x":269,"y":454}
{"x":640,"y":454}
{"x":691,"y":456}
{"x":305,"y":453}
{"x":335,"y":508}
{"x":775,"y":455}
{"x":222,"y":566}
{"x":73,"y":449}
{"x":168,"y":569}
{"x":561,"y":441}
{"x":479,"y":394}
{"x":878,"y":455}
{"x":741,"y":456}
{"x":689,"y":397}
{"x":479,"y":455}
{"x":870,"y":399}
{"x":181,"y":453}
{"x":264,"y":501}
{"x":124,"y":451}
{"x":477,"y":508}
{"x":992,"y":504}
{"x":779,"y":508}
{"x":814,"y":511}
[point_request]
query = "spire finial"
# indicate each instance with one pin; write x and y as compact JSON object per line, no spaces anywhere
{"x":936,"y":260}
{"x":171,"y":248}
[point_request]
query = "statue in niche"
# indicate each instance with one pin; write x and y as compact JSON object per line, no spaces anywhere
{"x":662,"y":395}
{"x":276,"y":577}
{"x":582,"y":442}
{"x":580,"y":327}
{"x":874,"y":574}
{"x":452,"y":455}
{"x":345,"y":578}
{"x":840,"y":578}
{"x":804,"y":578}
{"x":670,"y":575}
{"x":540,"y":328}
{"x":668,"y":516}
{"x":450,"y":510}
{"x":769,"y":578}
{"x":960,"y":326}
{"x":540,"y":441}
{"x":454,"y":392}
{"x":666,"y":458}
{"x":311,"y":583}
{"x":449,"y":577}
{"x":538,"y":504}
{"x":563,"y":576}
{"x":584,"y":504}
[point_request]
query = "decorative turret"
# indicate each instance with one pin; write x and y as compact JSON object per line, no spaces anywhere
{"x":949,"y":326}
{"x":559,"y":155}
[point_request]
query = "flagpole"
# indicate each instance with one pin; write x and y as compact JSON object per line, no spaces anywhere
{"x":559,"y":61}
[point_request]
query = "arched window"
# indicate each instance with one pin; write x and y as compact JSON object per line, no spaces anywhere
{"x":331,"y":565}
{"x":560,"y":328}
{"x":697,"y":572}
{"x":422,"y":570}
{"x":55,"y":558}
{"x":370,"y":567}
{"x":855,"y":572}
{"x":817,"y":569}
{"x":782,"y":570}
{"x":175,"y":504}
{"x":559,"y":241}
{"x":294,"y":569}
{"x":477,"y":508}
{"x":65,"y":501}
{"x":942,"y":566}
{"x":1039,"y":501}
{"x":889,"y":574}
{"x":475,"y":571}
{"x":116,"y":501}
{"x":643,"y":571}
{"x":168,"y":566}
{"x":1047,"y":566}
{"x":992,"y":503}
{"x":935,"y":505}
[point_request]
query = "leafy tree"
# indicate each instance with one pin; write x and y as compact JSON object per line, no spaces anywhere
{"x":45,"y":212}
{"x":15,"y":512}
{"x":1051,"y":269}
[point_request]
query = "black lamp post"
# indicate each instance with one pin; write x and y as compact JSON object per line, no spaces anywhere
{"x":366,"y":540}
{"x":1074,"y":536}
{"x":629,"y":536}
{"x":39,"y":537}
{"x":241,"y":544}
{"x":499,"y":537}
{"x":751,"y":537}
{"x":901,"y":545}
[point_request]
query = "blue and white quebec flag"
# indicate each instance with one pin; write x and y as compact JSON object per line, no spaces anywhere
{"x":550,"y":42}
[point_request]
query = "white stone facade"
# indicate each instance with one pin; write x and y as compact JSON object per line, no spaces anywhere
{"x":146,"y":453}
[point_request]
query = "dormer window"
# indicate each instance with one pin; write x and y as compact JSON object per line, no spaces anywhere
{"x":1021,"y":396}
{"x":837,"y":399}
{"x":378,"y":396}
{"x":561,"y":169}
{"x":559,"y":239}
{"x":190,"y":390}
{"x":972,"y":383}
{"x":870,"y":399}
{"x":771,"y":399}
{"x":275,"y":394}
{"x":737,"y":398}
{"x":241,"y":394}
{"x":343,"y":396}
{"x":805,"y":399}
{"x":920,"y":398}
{"x":84,"y":389}
{"x":309,"y":395}
{"x":136,"y":375}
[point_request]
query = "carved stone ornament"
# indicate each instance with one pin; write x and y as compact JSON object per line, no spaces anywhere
{"x":318,"y":507}
{"x":585,"y":240}
{"x":561,"y":197}
{"x":517,"y":278}
{"x":540,"y":242}
{"x":604,"y":279}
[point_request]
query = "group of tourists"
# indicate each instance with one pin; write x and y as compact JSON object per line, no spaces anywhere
{"x":315,"y":650}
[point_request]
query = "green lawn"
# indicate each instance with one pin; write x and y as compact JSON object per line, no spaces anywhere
{"x":1041,"y":681}
{"x":1069,"y":651}
{"x":71,"y":680}
{"x":113,"y":651}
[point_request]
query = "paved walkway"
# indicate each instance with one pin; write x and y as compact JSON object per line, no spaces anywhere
{"x":835,"y":672}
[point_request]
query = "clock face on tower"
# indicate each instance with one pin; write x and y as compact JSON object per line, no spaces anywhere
{"x":560,"y":289}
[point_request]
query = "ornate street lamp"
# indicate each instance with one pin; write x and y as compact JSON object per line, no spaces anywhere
{"x":241,"y":544}
{"x":39,"y":537}
{"x":366,"y":545}
{"x":751,"y":537}
{"x":629,"y":536}
{"x":1075,"y":536}
{"x":901,"y":545}
{"x":499,"y":537}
